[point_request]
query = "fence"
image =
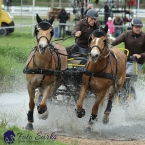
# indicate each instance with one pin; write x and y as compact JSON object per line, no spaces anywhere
{"x":27,"y":10}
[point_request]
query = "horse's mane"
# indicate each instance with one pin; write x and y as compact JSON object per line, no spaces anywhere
{"x":109,"y":40}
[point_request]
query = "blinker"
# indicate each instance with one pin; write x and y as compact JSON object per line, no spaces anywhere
{"x":102,"y":31}
{"x":98,"y":33}
{"x":44,"y":25}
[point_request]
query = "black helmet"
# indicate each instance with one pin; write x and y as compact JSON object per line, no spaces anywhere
{"x":137,"y":22}
{"x":92,"y":13}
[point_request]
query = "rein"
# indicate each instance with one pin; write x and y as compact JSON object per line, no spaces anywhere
{"x":102,"y":74}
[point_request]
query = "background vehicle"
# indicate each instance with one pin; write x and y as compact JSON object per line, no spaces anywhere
{"x":6,"y":22}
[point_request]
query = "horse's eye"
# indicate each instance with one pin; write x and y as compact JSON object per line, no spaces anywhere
{"x":104,"y":41}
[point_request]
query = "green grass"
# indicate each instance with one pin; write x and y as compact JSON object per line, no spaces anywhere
{"x":25,"y":137}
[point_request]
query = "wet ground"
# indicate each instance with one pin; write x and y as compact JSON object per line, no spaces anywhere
{"x":126,"y":122}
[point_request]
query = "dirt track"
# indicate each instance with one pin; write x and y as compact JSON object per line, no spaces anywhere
{"x":82,"y":141}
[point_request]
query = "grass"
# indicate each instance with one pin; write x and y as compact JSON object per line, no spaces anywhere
{"x":25,"y":137}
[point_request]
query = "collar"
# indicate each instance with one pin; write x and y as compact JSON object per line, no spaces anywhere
{"x":137,"y":35}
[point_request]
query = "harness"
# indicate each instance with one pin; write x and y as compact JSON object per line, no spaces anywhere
{"x":45,"y":72}
{"x":104,"y":75}
{"x":101,"y":73}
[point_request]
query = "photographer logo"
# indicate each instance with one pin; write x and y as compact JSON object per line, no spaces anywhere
{"x":9,"y":137}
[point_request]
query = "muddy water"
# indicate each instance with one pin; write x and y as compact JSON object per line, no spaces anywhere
{"x":126,"y":123}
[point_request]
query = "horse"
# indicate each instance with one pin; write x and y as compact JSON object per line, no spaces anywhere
{"x":43,"y":65}
{"x":105,"y":74}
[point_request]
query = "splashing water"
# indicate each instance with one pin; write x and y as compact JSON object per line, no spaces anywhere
{"x":126,"y":122}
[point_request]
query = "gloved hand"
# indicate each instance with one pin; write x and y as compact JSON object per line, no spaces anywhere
{"x":78,"y":33}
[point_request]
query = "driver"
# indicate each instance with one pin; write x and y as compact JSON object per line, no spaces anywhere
{"x":84,"y":28}
{"x":134,"y":41}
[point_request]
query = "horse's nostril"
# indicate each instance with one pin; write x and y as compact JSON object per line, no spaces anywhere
{"x":96,"y":55}
{"x":40,"y":46}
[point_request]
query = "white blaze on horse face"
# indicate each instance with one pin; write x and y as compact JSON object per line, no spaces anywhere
{"x":43,"y":37}
{"x":43,"y":41}
{"x":95,"y":51}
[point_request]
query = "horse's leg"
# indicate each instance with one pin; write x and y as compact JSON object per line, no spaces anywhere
{"x":31,"y":93}
{"x":99,"y":97}
{"x":49,"y":91}
{"x":108,"y":109}
{"x":55,"y":87}
{"x":80,"y":112}
{"x":38,"y":96}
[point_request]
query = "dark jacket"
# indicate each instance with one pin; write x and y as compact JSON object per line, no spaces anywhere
{"x":63,"y":16}
{"x":86,"y":30}
{"x":134,"y":43}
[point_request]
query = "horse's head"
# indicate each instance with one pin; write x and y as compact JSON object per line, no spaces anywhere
{"x":97,"y":42}
{"x":43,"y":32}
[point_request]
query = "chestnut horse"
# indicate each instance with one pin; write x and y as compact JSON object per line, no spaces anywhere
{"x":42,"y":66}
{"x":105,"y":74}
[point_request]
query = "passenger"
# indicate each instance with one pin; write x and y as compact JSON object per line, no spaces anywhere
{"x":84,"y":28}
{"x":134,"y":41}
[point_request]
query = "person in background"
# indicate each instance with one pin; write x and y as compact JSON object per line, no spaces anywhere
{"x":118,"y":23}
{"x":110,"y":26}
{"x":106,"y":12}
{"x":90,"y":6}
{"x":84,"y":28}
{"x":134,"y":41}
{"x":97,"y":1}
{"x":63,"y":17}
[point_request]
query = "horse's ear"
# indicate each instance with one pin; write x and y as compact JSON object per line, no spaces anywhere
{"x":51,"y":20}
{"x":106,"y":28}
{"x":38,"y":18}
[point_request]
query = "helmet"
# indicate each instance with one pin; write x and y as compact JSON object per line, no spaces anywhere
{"x":109,"y":18}
{"x":137,"y":22}
{"x":92,"y":13}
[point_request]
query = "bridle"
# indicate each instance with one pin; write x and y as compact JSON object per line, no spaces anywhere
{"x":44,"y":25}
{"x":101,"y":50}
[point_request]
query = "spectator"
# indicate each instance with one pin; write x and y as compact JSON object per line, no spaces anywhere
{"x":110,"y":25}
{"x":63,"y":17}
{"x":84,"y":28}
{"x":106,"y":12}
{"x":118,"y":22}
{"x":97,"y":1}
{"x":90,"y":6}
{"x":134,"y":41}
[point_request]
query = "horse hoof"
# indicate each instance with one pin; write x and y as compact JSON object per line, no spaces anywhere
{"x":40,"y":111}
{"x":43,"y":116}
{"x":29,"y":126}
{"x":81,"y":113}
{"x":105,"y":119}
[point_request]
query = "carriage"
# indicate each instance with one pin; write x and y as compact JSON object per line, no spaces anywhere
{"x":71,"y":85}
{"x":48,"y":71}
